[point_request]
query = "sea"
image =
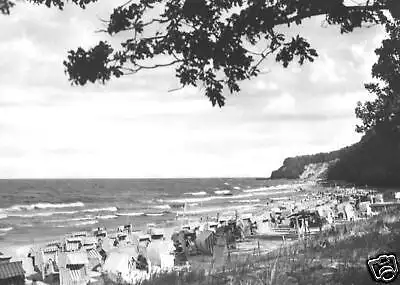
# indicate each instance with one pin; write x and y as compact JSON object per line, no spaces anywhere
{"x":35,"y":211}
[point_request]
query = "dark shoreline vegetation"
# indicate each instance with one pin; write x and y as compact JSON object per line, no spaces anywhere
{"x":333,"y":257}
{"x":374,"y":161}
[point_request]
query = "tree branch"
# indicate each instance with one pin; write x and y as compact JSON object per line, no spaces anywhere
{"x":140,"y":67}
{"x":314,"y":13}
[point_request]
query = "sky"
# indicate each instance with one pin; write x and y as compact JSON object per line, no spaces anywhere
{"x":134,"y":128}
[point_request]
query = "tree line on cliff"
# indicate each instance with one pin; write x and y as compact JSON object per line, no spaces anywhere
{"x":374,"y":161}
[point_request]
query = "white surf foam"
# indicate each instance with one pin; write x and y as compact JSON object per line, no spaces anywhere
{"x":210,"y":198}
{"x":3,"y":216}
{"x":201,"y":193}
{"x":256,"y":190}
{"x":91,"y":222}
{"x":217,"y":209}
{"x":270,"y":193}
{"x":290,"y":187}
{"x":45,"y":206}
{"x":32,"y":215}
{"x":264,"y":192}
{"x":132,"y":214}
{"x":154,"y":214}
{"x":222,"y":192}
{"x":106,"y":209}
{"x":163,"y":207}
{"x":42,"y":214}
{"x":107,"y":217}
{"x":246,"y":201}
{"x":6,"y":229}
{"x":69,"y":220}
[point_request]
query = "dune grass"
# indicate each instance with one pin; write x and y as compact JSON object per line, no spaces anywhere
{"x":342,"y":259}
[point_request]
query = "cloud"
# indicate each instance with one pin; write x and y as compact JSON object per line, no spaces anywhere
{"x":134,"y":127}
{"x":285,"y":104}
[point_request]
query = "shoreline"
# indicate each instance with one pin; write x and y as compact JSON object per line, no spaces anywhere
{"x":246,"y":204}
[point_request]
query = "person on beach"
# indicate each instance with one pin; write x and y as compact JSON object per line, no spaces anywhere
{"x":306,"y":227}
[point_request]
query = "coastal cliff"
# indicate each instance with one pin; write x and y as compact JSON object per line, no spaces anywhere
{"x":374,"y":161}
{"x":313,"y":166}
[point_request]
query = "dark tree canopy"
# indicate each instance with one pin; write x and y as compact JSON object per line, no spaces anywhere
{"x":212,"y":43}
{"x":383,"y":114}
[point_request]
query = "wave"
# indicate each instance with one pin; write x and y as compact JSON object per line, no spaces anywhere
{"x":132,"y":214}
{"x":199,"y":211}
{"x":3,"y":216}
{"x":154,"y":214}
{"x":106,"y":209}
{"x":7,"y":229}
{"x":210,"y":198}
{"x":107,"y":217}
{"x":236,"y":188}
{"x":32,"y":215}
{"x":269,"y":193}
{"x":163,"y":207}
{"x":281,"y":198}
{"x":216,"y":209}
{"x":232,"y":197}
{"x":195,"y":200}
{"x":246,"y":201}
{"x":201,"y":193}
{"x":222,"y":192}
{"x":44,"y":206}
{"x":69,"y":220}
{"x":42,"y":214}
{"x":256,"y":190}
{"x":290,"y":187}
{"x":91,"y":222}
